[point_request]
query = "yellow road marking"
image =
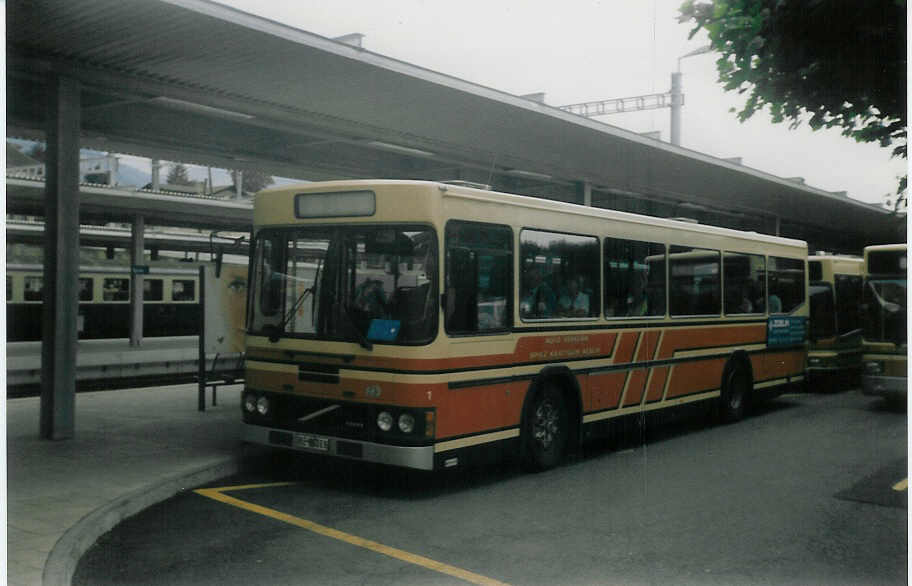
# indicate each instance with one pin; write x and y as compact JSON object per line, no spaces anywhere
{"x":219,"y":495}
{"x":901,"y":485}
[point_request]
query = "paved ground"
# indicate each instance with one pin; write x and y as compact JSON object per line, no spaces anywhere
{"x":132,"y":448}
{"x":805,"y":492}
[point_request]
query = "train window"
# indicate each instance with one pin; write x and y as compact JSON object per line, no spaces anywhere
{"x":34,"y":287}
{"x":116,"y":289}
{"x":9,"y":288}
{"x":183,"y":290}
{"x":153,"y":290}
{"x":86,"y":288}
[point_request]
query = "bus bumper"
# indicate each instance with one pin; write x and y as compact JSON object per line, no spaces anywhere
{"x":891,"y":387}
{"x":418,"y":457}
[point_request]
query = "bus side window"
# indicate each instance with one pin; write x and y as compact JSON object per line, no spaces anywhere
{"x":744,"y":283}
{"x":634,"y":278}
{"x":479,"y":279}
{"x":695,"y":278}
{"x":786,"y":284}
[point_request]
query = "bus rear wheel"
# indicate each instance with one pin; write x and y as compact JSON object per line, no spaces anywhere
{"x":735,"y":394}
{"x":545,"y":429}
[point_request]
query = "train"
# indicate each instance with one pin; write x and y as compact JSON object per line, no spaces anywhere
{"x":170,"y":302}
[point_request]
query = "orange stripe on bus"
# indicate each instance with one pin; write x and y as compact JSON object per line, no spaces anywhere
{"x":635,"y":387}
{"x":657,"y":384}
{"x":606,"y":389}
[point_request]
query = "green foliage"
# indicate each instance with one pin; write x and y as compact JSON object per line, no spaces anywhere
{"x":831,"y":63}
{"x":178,"y":175}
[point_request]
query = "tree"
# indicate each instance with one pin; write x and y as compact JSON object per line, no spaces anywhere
{"x":831,"y":62}
{"x":178,"y":175}
{"x":252,"y":181}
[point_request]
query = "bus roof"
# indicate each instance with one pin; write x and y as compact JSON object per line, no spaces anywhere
{"x":462,"y":191}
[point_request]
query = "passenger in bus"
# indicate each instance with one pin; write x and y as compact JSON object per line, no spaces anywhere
{"x":775,"y":304}
{"x":539,"y":299}
{"x":637,"y":301}
{"x":573,"y":302}
{"x":370,"y":298}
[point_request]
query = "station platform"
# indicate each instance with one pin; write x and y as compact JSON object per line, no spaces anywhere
{"x":113,"y":362}
{"x":132,"y":448}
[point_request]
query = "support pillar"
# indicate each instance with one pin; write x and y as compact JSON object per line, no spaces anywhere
{"x":584,"y":193}
{"x":238,"y":184}
{"x":677,"y":100}
{"x":61,"y":261}
{"x":137,"y":259}
{"x":156,"y":174}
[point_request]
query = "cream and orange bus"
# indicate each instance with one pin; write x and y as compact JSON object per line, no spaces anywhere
{"x":835,"y":319}
{"x":884,"y":321}
{"x":418,"y":324}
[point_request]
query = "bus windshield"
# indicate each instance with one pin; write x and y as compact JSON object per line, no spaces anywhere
{"x":884,"y":301}
{"x":363,"y":284}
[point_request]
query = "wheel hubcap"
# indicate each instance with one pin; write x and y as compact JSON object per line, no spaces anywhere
{"x":546,"y":425}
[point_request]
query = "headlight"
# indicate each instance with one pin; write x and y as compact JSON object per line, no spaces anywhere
{"x":250,"y":403}
{"x":385,"y":421}
{"x":872,"y":368}
{"x":814,"y":361}
{"x":262,"y":405}
{"x":406,"y":423}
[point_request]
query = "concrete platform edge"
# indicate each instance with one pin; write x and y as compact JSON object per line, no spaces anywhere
{"x":62,"y":560}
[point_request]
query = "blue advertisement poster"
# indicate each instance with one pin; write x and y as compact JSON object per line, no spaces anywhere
{"x":786,"y":330}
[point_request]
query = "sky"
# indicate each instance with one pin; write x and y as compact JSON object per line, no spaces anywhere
{"x":587,"y":50}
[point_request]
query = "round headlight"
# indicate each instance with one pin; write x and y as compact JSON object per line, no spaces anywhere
{"x":249,"y":403}
{"x":406,"y":423}
{"x":385,"y":421}
{"x":262,"y":405}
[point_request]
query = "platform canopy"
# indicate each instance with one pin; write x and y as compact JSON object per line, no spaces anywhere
{"x":198,"y":82}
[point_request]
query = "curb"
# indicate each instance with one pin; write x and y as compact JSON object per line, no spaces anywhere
{"x":65,"y":555}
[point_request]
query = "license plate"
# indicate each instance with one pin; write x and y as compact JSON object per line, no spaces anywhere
{"x":311,"y":442}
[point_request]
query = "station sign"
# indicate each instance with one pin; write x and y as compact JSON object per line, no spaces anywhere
{"x":140,"y":269}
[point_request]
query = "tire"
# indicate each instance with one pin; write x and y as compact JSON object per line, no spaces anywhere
{"x":545,"y":429}
{"x":736,"y":392}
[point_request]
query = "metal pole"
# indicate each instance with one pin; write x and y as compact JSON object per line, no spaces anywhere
{"x":61,"y":261}
{"x":677,"y":100}
{"x":201,"y":369}
{"x":137,"y":259}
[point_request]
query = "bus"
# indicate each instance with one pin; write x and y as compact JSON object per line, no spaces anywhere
{"x":884,"y":318}
{"x":422,"y":324}
{"x":835,"y":321}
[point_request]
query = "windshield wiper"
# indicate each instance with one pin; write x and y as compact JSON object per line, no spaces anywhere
{"x":362,"y":339}
{"x":275,"y":331}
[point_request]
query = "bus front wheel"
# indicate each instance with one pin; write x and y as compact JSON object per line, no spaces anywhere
{"x":545,"y":429}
